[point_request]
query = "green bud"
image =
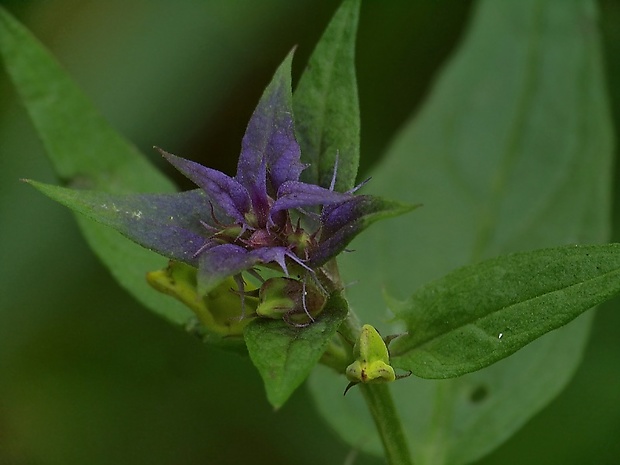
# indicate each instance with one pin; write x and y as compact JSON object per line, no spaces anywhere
{"x":372,"y":364}
{"x":284,"y":298}
{"x":277,"y":297}
{"x":300,"y":240}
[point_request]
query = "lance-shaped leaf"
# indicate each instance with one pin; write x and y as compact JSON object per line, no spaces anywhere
{"x":82,"y":146}
{"x":285,"y":355}
{"x":269,"y":144}
{"x":326,"y":104}
{"x":225,"y":192}
{"x":169,"y":224}
{"x":84,"y":149}
{"x":510,"y":153}
{"x":482,"y":313}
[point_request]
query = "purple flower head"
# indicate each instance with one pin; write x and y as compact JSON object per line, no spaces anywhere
{"x":261,"y":216}
{"x":255,"y":218}
{"x":250,"y":219}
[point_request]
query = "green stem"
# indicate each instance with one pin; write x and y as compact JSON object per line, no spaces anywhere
{"x":339,"y":355}
{"x":350,"y":328}
{"x":377,"y":396}
{"x":379,"y":400}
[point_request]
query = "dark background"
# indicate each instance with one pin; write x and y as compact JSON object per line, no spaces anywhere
{"x":87,"y":376}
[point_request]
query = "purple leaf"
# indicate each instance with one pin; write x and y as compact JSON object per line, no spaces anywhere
{"x":223,"y":190}
{"x":169,"y":224}
{"x":296,"y":194}
{"x":269,"y":148}
{"x":342,"y":222}
{"x":222,"y":261}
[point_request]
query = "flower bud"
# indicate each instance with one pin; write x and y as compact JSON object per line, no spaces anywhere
{"x":372,"y":364}
{"x":293,"y":300}
{"x":300,"y":241}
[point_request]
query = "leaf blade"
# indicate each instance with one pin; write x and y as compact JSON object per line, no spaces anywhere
{"x":554,"y":189}
{"x":547,"y":289}
{"x":342,"y":222}
{"x":83,"y":147}
{"x":326,"y":104}
{"x":285,"y":355}
{"x":86,"y":152}
{"x":168,"y":224}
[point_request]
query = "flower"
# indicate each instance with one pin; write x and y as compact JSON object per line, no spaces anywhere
{"x":264,"y":215}
{"x":251,"y":221}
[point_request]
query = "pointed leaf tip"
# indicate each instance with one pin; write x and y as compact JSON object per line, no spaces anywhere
{"x":326,"y":104}
{"x":224,"y":192}
{"x":343,"y":221}
{"x":169,"y":224}
{"x":270,"y":151}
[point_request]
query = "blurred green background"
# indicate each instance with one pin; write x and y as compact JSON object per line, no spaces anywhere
{"x":87,"y":376}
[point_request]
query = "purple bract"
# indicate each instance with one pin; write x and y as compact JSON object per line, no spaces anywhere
{"x":264,"y":215}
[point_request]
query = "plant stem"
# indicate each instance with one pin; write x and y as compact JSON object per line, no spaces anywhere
{"x":350,"y":328}
{"x":377,"y":396}
{"x":379,"y":400}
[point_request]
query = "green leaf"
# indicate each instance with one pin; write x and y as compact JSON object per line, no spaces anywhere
{"x":326,"y":104}
{"x":83,"y":147}
{"x":86,"y":152}
{"x":511,"y":152}
{"x":485,"y":312}
{"x":168,"y":224}
{"x":284,"y":355}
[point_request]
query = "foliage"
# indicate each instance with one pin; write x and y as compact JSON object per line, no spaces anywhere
{"x":506,"y":159}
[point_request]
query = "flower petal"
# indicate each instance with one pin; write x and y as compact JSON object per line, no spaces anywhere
{"x":223,"y":190}
{"x":269,"y":147}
